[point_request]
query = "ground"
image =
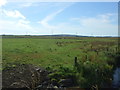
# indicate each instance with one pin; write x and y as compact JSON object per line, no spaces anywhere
{"x":56,"y":54}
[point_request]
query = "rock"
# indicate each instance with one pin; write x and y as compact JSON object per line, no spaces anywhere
{"x":50,"y":86}
{"x":19,"y":85}
{"x":66,"y":83}
{"x":39,"y":86}
{"x":55,"y":87}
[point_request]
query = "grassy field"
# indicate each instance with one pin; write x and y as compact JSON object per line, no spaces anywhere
{"x":93,"y":53}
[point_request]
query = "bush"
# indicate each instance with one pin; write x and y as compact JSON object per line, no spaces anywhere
{"x":93,"y":74}
{"x":86,"y":74}
{"x":62,"y":73}
{"x":114,"y":59}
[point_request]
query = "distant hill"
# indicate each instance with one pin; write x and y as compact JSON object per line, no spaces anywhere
{"x":56,"y":35}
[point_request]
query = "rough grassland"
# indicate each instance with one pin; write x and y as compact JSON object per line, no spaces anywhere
{"x":95,"y":58}
{"x":52,"y":52}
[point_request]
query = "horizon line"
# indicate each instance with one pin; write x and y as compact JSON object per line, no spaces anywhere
{"x":59,"y":35}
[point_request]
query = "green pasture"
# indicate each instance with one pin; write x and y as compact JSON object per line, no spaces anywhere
{"x":52,"y":52}
{"x":96,"y":57}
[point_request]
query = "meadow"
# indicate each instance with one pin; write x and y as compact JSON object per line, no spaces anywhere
{"x":96,"y":57}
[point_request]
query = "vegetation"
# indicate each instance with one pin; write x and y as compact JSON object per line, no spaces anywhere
{"x":93,"y":68}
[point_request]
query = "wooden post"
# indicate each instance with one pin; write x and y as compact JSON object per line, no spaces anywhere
{"x":75,"y":61}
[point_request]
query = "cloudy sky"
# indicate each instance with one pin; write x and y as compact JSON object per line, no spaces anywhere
{"x":39,"y":18}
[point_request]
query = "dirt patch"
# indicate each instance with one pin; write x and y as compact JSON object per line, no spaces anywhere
{"x":97,"y":43}
{"x":27,"y":76}
{"x":23,"y":76}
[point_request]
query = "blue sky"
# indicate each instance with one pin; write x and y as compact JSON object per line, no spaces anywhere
{"x":39,"y":18}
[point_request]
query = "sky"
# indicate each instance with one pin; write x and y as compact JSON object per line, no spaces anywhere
{"x":49,"y":18}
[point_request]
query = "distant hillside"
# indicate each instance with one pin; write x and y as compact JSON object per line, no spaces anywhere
{"x":57,"y":35}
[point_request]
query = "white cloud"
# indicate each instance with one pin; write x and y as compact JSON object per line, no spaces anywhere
{"x":26,"y":5}
{"x":15,"y":27}
{"x":45,"y":21}
{"x":14,"y":23}
{"x":24,"y":21}
{"x":13,"y":14}
{"x":24,"y":24}
{"x":2,"y":2}
{"x":100,"y":19}
{"x":99,"y":25}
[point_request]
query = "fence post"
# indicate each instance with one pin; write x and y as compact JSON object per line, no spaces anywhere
{"x":75,"y":61}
